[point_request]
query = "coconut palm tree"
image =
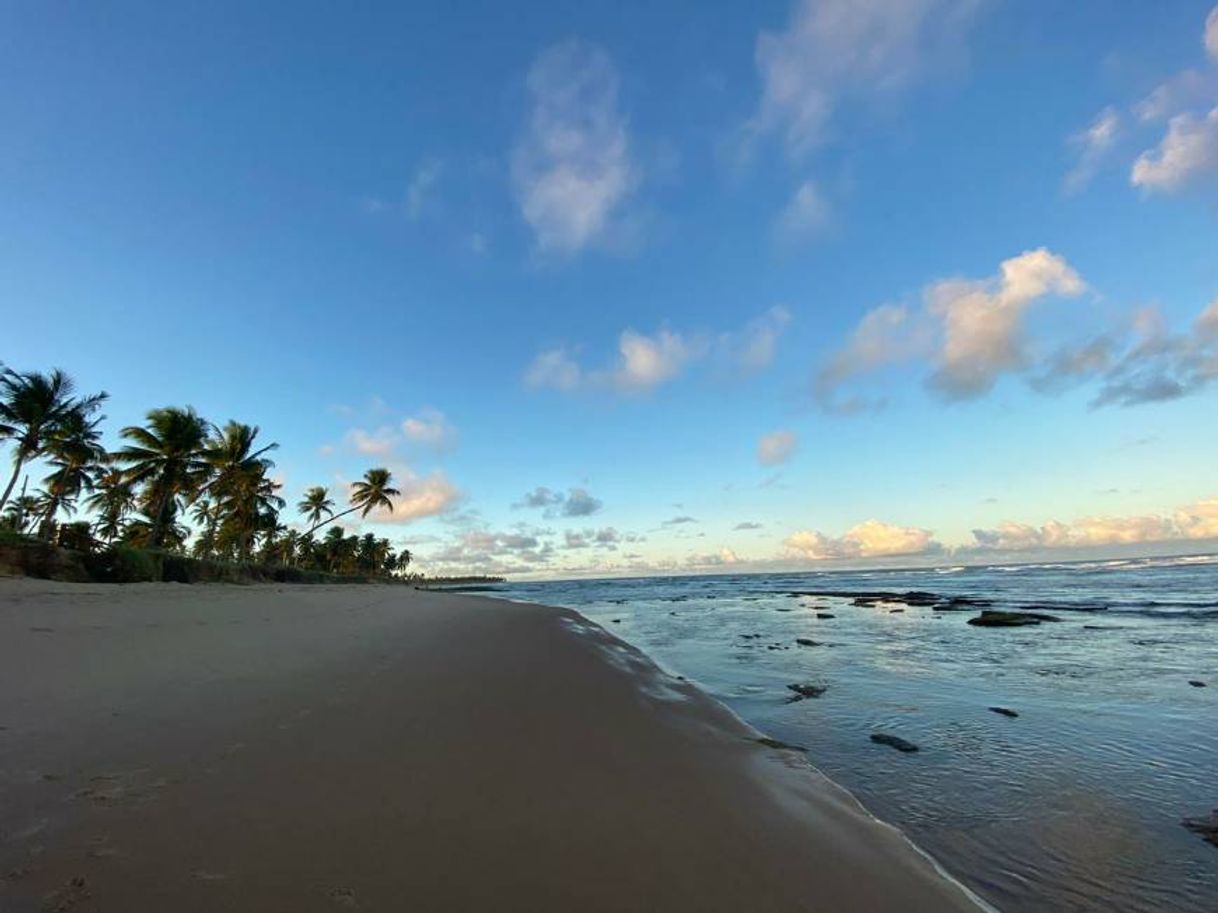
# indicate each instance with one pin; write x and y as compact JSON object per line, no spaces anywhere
{"x":369,"y":493}
{"x":76,"y":455}
{"x":316,"y":504}
{"x":165,"y":458}
{"x":239,"y":482}
{"x":32,"y":406}
{"x":112,"y":499}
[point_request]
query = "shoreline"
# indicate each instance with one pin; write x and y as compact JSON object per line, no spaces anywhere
{"x":362,"y":747}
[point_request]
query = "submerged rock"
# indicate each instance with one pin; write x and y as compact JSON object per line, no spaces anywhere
{"x":1004,"y":711}
{"x":806,"y":690}
{"x":775,"y":743}
{"x":895,"y":611}
{"x":807,"y":642}
{"x":825,"y":615}
{"x":1196,"y":683}
{"x":995,"y":619}
{"x":1206,"y":826}
{"x":883,"y":738}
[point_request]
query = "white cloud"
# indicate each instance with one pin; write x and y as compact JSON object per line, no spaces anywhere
{"x":776,"y":448}
{"x":1211,"y":33}
{"x":970,"y":329}
{"x":572,"y":170}
{"x":421,"y":186}
{"x":753,"y":348}
{"x":430,"y":428}
{"x":554,"y":369}
{"x":372,"y":443}
{"x":1198,"y":520}
{"x":1090,"y":145}
{"x":982,"y":321}
{"x":577,"y":502}
{"x":806,"y":215}
{"x":645,"y":362}
{"x":835,"y":49}
{"x":870,"y":539}
{"x":1188,"y":153}
{"x":421,"y":496}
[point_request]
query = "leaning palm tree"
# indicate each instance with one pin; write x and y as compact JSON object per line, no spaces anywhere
{"x":75,"y":455}
{"x":166,"y":458}
{"x":32,"y":406}
{"x":316,"y":504}
{"x":369,"y":493}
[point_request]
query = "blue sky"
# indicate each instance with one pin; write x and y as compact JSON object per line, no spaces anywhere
{"x":885,"y":281}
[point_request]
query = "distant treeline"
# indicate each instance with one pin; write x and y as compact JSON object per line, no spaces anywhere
{"x":174,"y":466}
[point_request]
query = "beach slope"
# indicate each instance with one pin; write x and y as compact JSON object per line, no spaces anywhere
{"x":264,"y":748}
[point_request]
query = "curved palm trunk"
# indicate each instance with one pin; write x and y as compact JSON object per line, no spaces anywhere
{"x":331,"y":519}
{"x":47,"y":526}
{"x":18,"y":462}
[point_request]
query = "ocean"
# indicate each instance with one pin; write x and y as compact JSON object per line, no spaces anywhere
{"x":1075,"y":804}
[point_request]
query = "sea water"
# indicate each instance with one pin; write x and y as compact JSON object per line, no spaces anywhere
{"x":1076,"y":804}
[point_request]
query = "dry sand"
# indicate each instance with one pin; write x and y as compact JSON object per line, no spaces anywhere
{"x":262,"y":748}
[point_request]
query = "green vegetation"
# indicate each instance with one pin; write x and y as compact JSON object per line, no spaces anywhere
{"x":182,"y":499}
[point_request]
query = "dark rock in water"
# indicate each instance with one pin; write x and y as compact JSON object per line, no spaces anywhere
{"x":1004,"y":711}
{"x":963,"y":604}
{"x":883,"y":738}
{"x":616,"y":621}
{"x":775,"y":743}
{"x":1207,"y":826}
{"x":995,"y":619}
{"x":748,"y":636}
{"x":807,"y":642}
{"x":802,"y":691}
{"x":919,"y":598}
{"x":825,"y":615}
{"x":1196,"y":683}
{"x":1066,"y":607}
{"x":895,"y":611}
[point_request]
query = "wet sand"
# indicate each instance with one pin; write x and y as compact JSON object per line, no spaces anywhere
{"x":260,"y":748}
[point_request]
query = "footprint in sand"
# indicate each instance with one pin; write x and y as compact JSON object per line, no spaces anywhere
{"x":65,"y":898}
{"x":342,"y":896}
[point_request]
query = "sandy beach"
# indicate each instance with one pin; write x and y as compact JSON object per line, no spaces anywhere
{"x":167,"y":747}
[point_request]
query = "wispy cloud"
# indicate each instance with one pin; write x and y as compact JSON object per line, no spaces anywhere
{"x":572,"y":170}
{"x":777,"y":448}
{"x":1187,"y":154}
{"x":1090,"y":146}
{"x":806,"y":216}
{"x":833,"y":51}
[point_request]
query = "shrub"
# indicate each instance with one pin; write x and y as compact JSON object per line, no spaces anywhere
{"x":76,"y":536}
{"x":124,"y":564}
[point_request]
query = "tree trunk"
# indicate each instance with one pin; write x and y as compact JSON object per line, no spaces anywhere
{"x":18,"y":462}
{"x":331,"y":519}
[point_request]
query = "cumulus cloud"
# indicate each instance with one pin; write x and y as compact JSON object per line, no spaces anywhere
{"x":971,"y":330}
{"x":776,"y":448}
{"x":1186,"y":155}
{"x":1090,"y":146}
{"x":806,"y":215}
{"x":572,"y":170}
{"x":870,"y":539}
{"x":1198,"y":520}
{"x":606,"y":538}
{"x":577,"y":502}
{"x":832,"y":50}
{"x":421,"y":496}
{"x":645,"y":362}
{"x":430,"y":428}
{"x":725,"y":556}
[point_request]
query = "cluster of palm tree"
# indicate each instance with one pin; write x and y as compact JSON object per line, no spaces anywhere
{"x":175,"y":467}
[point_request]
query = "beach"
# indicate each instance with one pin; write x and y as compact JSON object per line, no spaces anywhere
{"x":375,"y":747}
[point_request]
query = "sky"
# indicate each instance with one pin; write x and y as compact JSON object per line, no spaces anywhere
{"x":629,"y":288}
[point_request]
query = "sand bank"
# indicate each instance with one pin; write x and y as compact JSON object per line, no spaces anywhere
{"x":303,"y":748}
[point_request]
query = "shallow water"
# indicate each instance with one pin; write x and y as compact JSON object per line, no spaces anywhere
{"x":1075,"y":805}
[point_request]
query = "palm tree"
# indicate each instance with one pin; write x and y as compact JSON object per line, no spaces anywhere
{"x":403,"y":560}
{"x":19,"y":511}
{"x":166,"y":457}
{"x":76,"y":455}
{"x":369,"y":493}
{"x":316,"y":504}
{"x":32,"y":406}
{"x":239,"y":482}
{"x":112,"y":499}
